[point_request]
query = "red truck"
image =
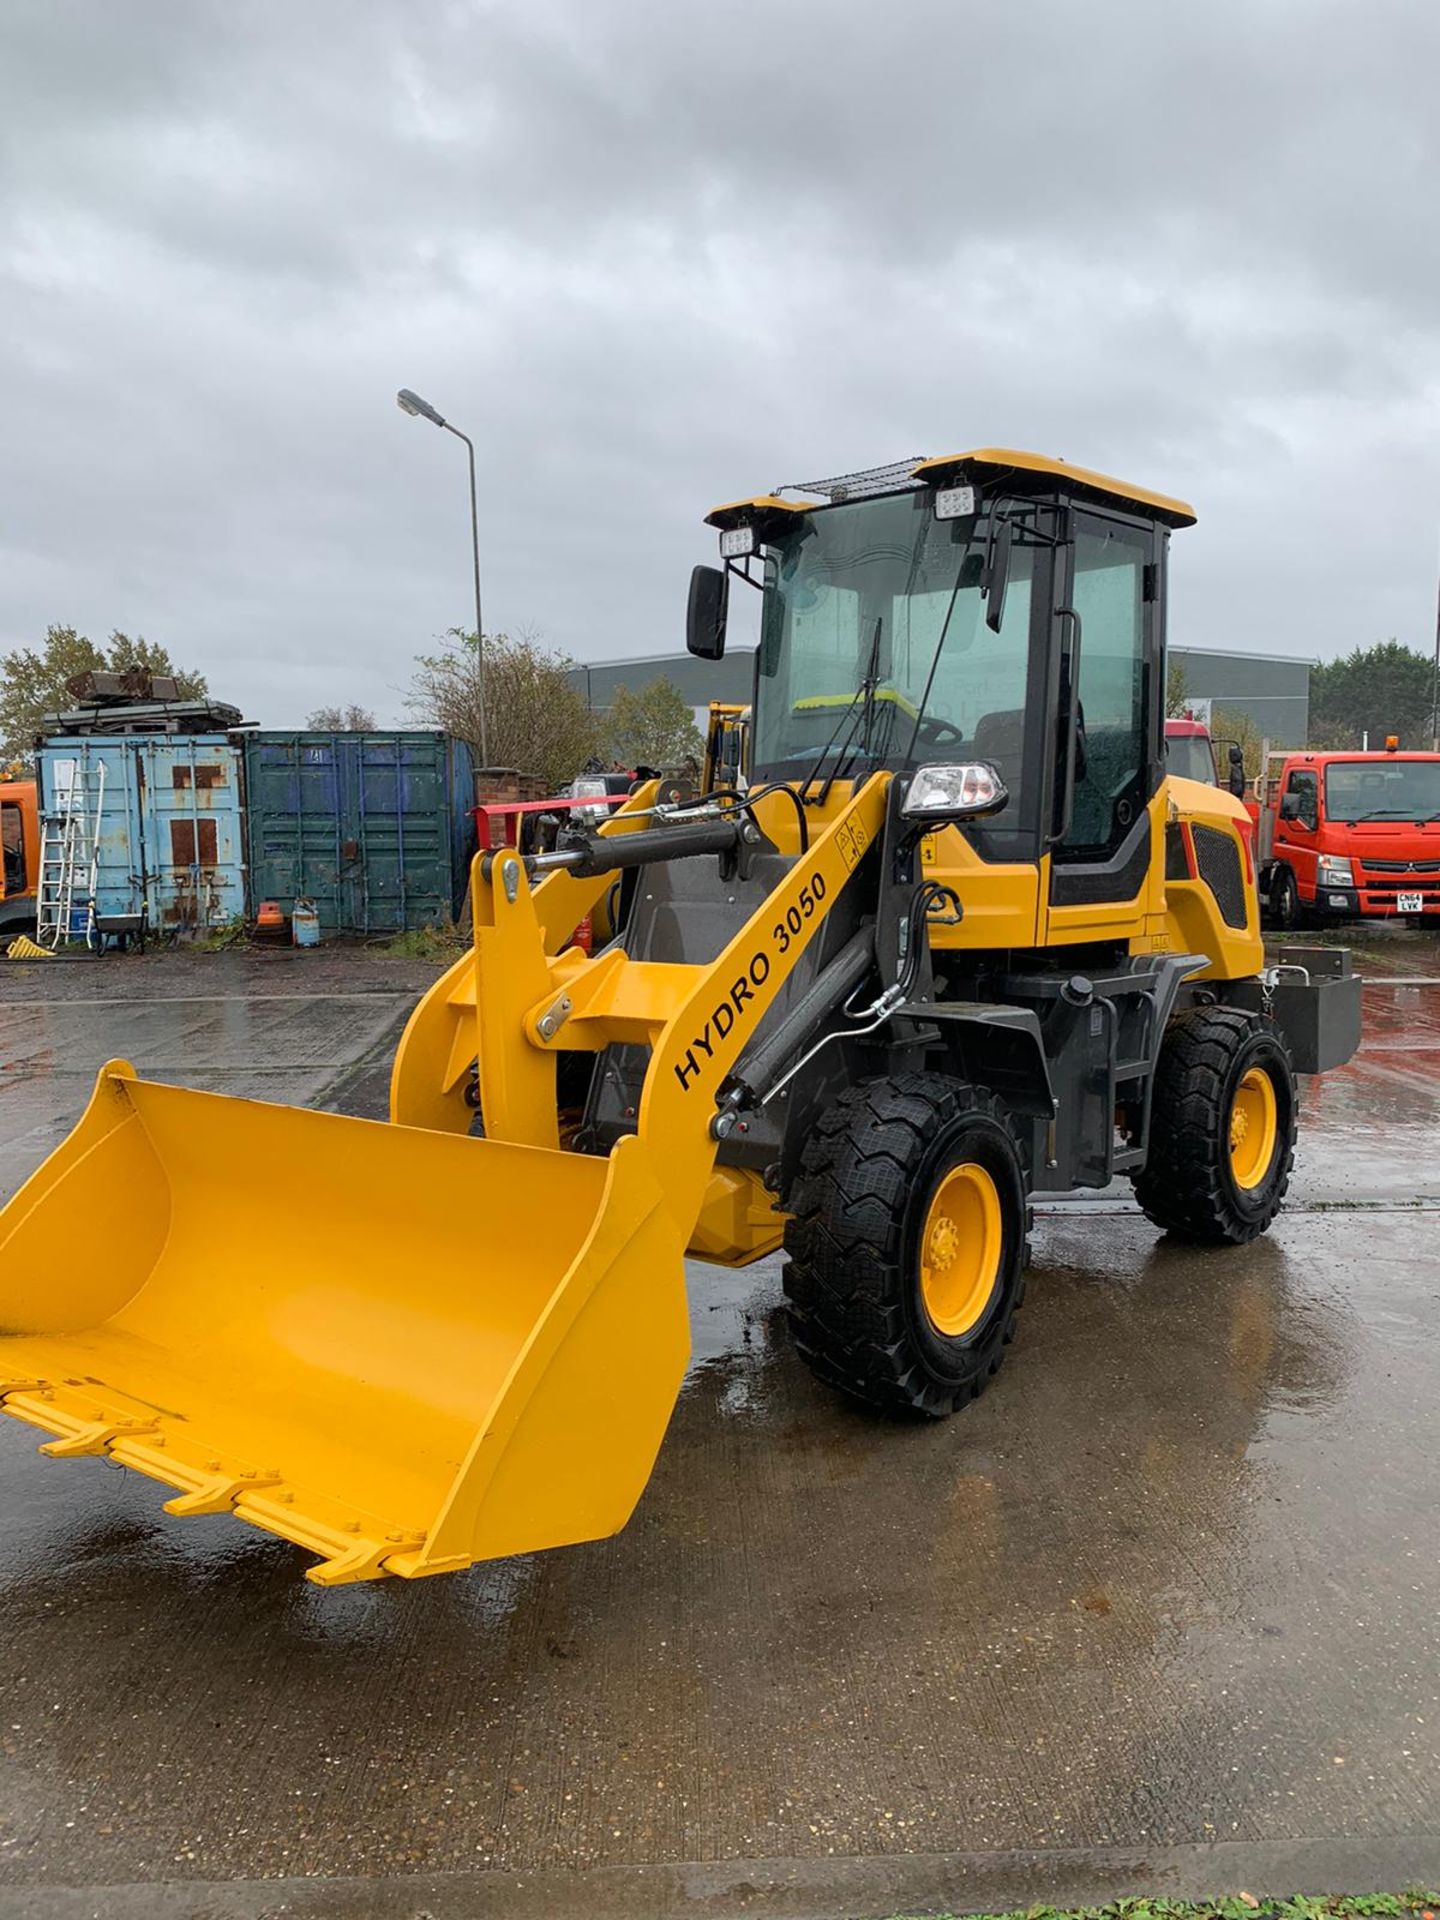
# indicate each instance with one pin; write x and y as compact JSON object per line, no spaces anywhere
{"x":1345,"y":836}
{"x":1191,"y":753}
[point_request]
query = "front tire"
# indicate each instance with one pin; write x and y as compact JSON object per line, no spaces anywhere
{"x":906,"y":1243}
{"x":1285,"y":913}
{"x":1222,"y":1128}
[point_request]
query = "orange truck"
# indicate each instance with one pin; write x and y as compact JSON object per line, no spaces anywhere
{"x":20,"y":845}
{"x":1349,"y":836}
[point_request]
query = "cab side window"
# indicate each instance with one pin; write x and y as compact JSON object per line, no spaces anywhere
{"x":1302,"y":792}
{"x":1112,"y":759}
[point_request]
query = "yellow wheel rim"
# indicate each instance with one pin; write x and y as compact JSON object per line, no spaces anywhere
{"x":960,"y":1246}
{"x":1254,"y":1128}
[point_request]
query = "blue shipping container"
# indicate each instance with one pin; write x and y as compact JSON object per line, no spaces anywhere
{"x":375,"y":828}
{"x":171,"y":842}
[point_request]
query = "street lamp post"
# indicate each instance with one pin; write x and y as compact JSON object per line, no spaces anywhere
{"x":411,"y":403}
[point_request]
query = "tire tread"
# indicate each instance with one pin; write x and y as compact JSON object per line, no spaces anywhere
{"x":844,"y":1277}
{"x":1184,"y":1186}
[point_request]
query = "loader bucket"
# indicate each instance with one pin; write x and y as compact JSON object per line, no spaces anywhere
{"x":403,"y":1350}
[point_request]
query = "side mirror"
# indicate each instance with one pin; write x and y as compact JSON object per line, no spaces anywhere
{"x":997,"y":574}
{"x":1237,"y":771}
{"x":1291,"y":806}
{"x":706,"y":612}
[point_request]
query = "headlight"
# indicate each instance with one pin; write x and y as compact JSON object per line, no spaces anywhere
{"x":587,"y":789}
{"x":954,"y":503}
{"x":964,"y":792}
{"x":736,"y":542}
{"x":1335,"y":871}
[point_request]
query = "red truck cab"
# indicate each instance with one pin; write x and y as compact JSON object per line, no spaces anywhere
{"x":1345,"y":836}
{"x":1192,"y":754}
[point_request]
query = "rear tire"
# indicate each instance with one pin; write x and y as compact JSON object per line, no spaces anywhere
{"x":1222,"y":1128}
{"x":906,"y":1243}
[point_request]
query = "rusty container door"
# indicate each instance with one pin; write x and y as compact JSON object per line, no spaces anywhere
{"x":375,"y":828}
{"x":195,"y":831}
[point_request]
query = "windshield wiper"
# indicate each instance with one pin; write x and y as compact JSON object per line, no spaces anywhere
{"x":869,"y":685}
{"x":846,"y":724}
{"x":857,"y":709}
{"x":935,"y":657}
{"x":1382,"y":813}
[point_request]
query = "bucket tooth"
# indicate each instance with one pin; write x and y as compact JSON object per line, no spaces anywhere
{"x":98,"y":1436}
{"x":347,"y":1552}
{"x":79,"y":1425}
{"x":219,"y":1492}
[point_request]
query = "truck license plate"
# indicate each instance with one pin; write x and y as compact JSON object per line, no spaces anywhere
{"x":1410,"y":903}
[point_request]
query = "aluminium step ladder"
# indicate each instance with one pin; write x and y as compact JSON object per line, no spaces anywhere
{"x":70,"y":855}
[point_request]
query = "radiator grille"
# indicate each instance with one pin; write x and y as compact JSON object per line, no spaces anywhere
{"x":1217,"y":855}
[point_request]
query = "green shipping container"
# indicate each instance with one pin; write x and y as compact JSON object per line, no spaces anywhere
{"x":375,"y":828}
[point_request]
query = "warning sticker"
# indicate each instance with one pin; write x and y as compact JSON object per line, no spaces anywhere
{"x":851,"y":842}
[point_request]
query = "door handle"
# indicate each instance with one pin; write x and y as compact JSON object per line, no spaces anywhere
{"x":1070,"y":675}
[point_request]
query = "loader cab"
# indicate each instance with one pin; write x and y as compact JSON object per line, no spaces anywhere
{"x":992,"y":606}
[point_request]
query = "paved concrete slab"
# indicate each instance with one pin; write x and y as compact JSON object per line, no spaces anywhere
{"x":262,"y":1025}
{"x":1159,"y":1612}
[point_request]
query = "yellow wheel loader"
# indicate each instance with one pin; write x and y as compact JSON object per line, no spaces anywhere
{"x":727,"y":737}
{"x":957,"y":941}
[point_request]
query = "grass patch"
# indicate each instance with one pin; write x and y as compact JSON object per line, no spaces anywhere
{"x":1419,"y":1902}
{"x":441,"y":944}
{"x":217,"y":939}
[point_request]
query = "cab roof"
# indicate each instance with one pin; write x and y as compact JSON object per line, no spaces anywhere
{"x":1367,"y":756}
{"x":1023,"y":471}
{"x":1020,"y":471}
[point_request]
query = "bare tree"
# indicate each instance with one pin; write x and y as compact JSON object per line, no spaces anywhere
{"x":351,"y":719}
{"x":653,"y":727}
{"x":536,"y":721}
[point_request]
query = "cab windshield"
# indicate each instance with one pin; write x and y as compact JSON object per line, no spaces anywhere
{"x":1389,"y":789}
{"x":1189,"y":756}
{"x":852,"y":664}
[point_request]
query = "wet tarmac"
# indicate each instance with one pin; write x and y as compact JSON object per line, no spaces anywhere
{"x":1158,"y":1614}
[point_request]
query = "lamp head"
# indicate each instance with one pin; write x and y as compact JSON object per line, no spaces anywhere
{"x":411,"y":403}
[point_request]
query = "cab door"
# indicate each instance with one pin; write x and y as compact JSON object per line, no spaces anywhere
{"x":1106,"y":862}
{"x":1297,"y":827}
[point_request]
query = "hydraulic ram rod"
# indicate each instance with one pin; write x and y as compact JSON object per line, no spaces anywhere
{"x":760,"y":1070}
{"x":611,"y":853}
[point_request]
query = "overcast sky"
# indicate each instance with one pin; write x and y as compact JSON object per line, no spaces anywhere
{"x":655,"y":254}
